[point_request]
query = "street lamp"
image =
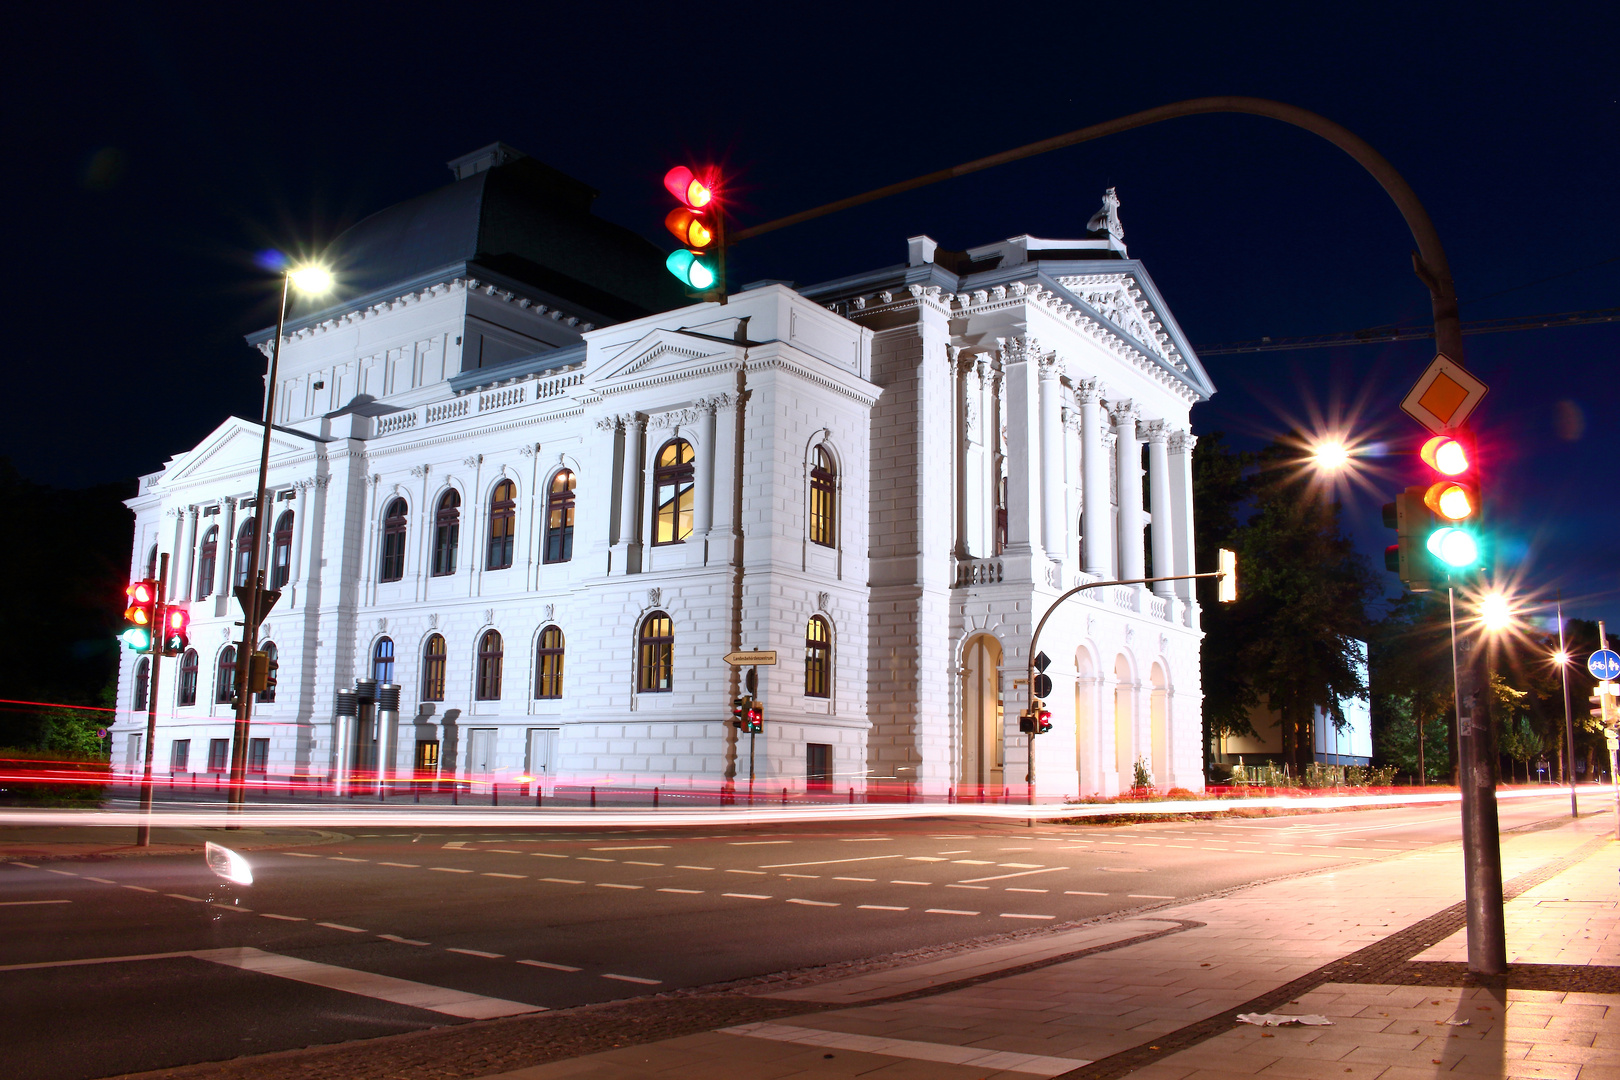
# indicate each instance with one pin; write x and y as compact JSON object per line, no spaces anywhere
{"x":1330,"y":455}
{"x":1495,"y":612}
{"x":312,"y":279}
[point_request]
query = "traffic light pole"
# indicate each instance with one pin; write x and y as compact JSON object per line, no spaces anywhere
{"x":1569,"y":720}
{"x":250,"y":597}
{"x":160,"y":617}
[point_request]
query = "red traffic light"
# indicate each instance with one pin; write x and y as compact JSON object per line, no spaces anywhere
{"x":1447,"y":455}
{"x":694,"y":191}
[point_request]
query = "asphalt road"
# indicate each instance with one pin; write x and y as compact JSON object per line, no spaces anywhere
{"x":114,"y":966}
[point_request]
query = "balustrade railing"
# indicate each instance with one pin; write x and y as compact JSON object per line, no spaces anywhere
{"x":978,"y":572}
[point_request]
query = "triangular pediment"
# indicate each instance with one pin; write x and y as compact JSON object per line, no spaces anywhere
{"x":659,"y":354}
{"x":1126,"y":301}
{"x":231,"y":449}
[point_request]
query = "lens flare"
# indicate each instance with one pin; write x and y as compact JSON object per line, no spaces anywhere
{"x":313,"y":280}
{"x":228,"y":864}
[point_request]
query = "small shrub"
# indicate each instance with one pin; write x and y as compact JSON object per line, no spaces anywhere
{"x":1141,"y":775}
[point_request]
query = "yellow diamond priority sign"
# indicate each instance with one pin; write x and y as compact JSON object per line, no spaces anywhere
{"x":1445,"y":394}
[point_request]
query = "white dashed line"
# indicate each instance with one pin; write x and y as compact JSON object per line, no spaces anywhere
{"x":552,"y":967}
{"x":406,"y":865}
{"x":1019,"y":873}
{"x":476,"y":952}
{"x":633,"y":979}
{"x":283,"y":918}
{"x":504,"y":851}
{"x":340,"y":926}
{"x":449,"y":870}
{"x":64,"y":873}
{"x":518,"y":877}
{"x":562,"y":881}
{"x":756,"y":873}
{"x":1081,"y":892}
{"x":100,"y":880}
{"x":680,"y":867}
{"x":345,"y":858}
{"x":745,"y":896}
{"x":30,"y":865}
{"x":1147,"y":896}
{"x":815,"y":903}
{"x":183,"y":896}
{"x":590,"y":858}
{"x":401,"y":940}
{"x":300,"y":854}
{"x":642,"y":847}
{"x":1011,"y":915}
{"x":911,"y":883}
{"x":31,"y":903}
{"x":140,"y":888}
{"x":811,"y":877}
{"x":927,"y":858}
{"x":948,"y":911}
{"x":547,"y":855}
{"x":616,"y":885}
{"x":881,"y":907}
{"x":755,"y":843}
{"x":632,"y":862}
{"x":1028,"y":890}
{"x":864,"y":839}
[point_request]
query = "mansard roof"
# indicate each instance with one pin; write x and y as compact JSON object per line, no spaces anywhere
{"x":505,"y":214}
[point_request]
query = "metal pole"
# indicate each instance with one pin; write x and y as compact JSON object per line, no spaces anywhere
{"x":143,"y":831}
{"x":237,"y":795}
{"x":1482,"y":852}
{"x":1569,"y":720}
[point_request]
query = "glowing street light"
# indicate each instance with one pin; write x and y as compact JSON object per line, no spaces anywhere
{"x":1330,"y":455}
{"x":1495,"y":612}
{"x":312,"y":279}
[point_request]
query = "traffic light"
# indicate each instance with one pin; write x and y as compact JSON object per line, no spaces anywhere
{"x":176,"y":631}
{"x":1035,"y":720}
{"x":698,"y":224}
{"x":139,"y":612}
{"x":739,"y":712}
{"x":756,"y":717}
{"x":1453,"y":499}
{"x":1409,"y":557}
{"x":259,"y":672}
{"x":1227,"y":590}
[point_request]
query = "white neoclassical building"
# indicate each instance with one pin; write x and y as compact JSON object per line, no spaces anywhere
{"x":515,"y":476}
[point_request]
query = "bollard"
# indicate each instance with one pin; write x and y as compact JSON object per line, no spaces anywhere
{"x":416,"y":789}
{"x":593,"y":796}
{"x":852,"y":794}
{"x":539,"y":795}
{"x":455,"y":794}
{"x":655,"y":798}
{"x":784,"y":796}
{"x":494,"y":793}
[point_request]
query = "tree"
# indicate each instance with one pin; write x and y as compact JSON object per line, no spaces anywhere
{"x":1410,"y":672}
{"x":1222,"y":484}
{"x":1293,"y":638}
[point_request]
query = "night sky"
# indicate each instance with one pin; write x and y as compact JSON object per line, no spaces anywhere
{"x":152,"y":154}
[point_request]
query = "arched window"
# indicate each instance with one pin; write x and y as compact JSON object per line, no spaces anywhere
{"x":207,"y":553}
{"x":143,"y":680}
{"x":382,"y":660}
{"x":672,"y":493}
{"x":244,"y":552}
{"x":281,"y":550}
{"x":433,"y":656}
{"x":560,"y":517}
{"x":502,"y":526}
{"x":268,"y":695}
{"x":152,"y":563}
{"x":817,"y":658}
{"x":657,"y":654}
{"x":823,"y":500}
{"x":446,"y":533}
{"x":548,"y":664}
{"x":490,"y":655}
{"x":393,"y":542}
{"x":188,"y":678}
{"x":225,"y":676}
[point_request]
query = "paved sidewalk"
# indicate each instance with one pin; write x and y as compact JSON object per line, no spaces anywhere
{"x":1373,"y":947}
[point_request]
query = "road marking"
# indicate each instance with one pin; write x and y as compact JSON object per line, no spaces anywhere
{"x":981,"y":888}
{"x":911,"y":883}
{"x":760,"y":873}
{"x":100,"y":880}
{"x":366,"y":984}
{"x":401,"y":940}
{"x":864,"y":839}
{"x":976,"y":862}
{"x":592,"y":858}
{"x":283,"y":918}
{"x":449,"y":870}
{"x":681,"y":867}
{"x":64,"y":873}
{"x":140,"y":888}
{"x":457,"y":845}
{"x":1147,"y":896}
{"x":815,"y":903}
{"x":547,"y":855}
{"x":183,"y":896}
{"x":1023,"y":865}
{"x":406,"y":865}
{"x":562,"y":881}
{"x":756,"y":843}
{"x":552,"y":967}
{"x":30,"y":865}
{"x":491,"y":873}
{"x":345,"y":858}
{"x":850,"y":878}
{"x":928,"y":858}
{"x":504,"y":851}
{"x":615,"y":885}
{"x":633,"y":979}
{"x":476,"y":952}
{"x":1012,"y":915}
{"x":810,"y":877}
{"x":881,"y":907}
{"x":1027,"y":890}
{"x":745,"y":896}
{"x":31,"y":903}
{"x":642,"y":847}
{"x":948,"y":911}
{"x":1021,"y":873}
{"x":963,"y":852}
{"x":818,"y":862}
{"x":340,"y":926}
{"x":691,"y":892}
{"x":632,"y":862}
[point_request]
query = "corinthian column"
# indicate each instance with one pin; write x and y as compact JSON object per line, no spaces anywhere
{"x":1181,"y":502}
{"x":1128,"y":459}
{"x":703,"y":503}
{"x":1053,"y":513}
{"x":1158,"y":433}
{"x":1098,"y":555}
{"x":628,"y":547}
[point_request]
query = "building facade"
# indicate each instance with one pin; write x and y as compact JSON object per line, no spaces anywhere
{"x":520,"y":483}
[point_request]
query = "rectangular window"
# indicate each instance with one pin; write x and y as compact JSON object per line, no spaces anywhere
{"x":179,"y":755}
{"x":219,"y":755}
{"x":427,"y":755}
{"x":818,"y":772}
{"x":258,"y":756}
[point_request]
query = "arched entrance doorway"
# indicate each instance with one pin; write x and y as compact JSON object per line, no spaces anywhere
{"x":980,"y":735}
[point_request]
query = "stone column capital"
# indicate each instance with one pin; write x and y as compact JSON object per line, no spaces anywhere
{"x":1182,"y":442}
{"x":1123,"y":414}
{"x":1089,"y":391}
{"x":1158,"y":431}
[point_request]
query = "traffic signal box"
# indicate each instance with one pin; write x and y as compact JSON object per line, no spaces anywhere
{"x":140,"y":612}
{"x":176,"y":631}
{"x":748,"y":715}
{"x":699,"y":224}
{"x":1436,"y":525}
{"x":261,"y":672}
{"x":1035,"y":720}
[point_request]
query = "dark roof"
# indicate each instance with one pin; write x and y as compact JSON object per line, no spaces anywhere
{"x":517,"y":217}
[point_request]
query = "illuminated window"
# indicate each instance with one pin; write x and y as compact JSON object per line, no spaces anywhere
{"x":548,"y":664}
{"x":657,"y":654}
{"x":382,"y":660}
{"x":817,"y":658}
{"x":433,"y":658}
{"x":393,"y":542}
{"x":244,"y":552}
{"x":672,"y":493}
{"x":824,"y":500}
{"x":446,"y":534}
{"x":502,"y":526}
{"x":490,"y":655}
{"x":560,"y":518}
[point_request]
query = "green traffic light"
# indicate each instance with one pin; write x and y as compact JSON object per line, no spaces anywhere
{"x":138,"y":638}
{"x":1453,"y":546}
{"x":692,"y":269}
